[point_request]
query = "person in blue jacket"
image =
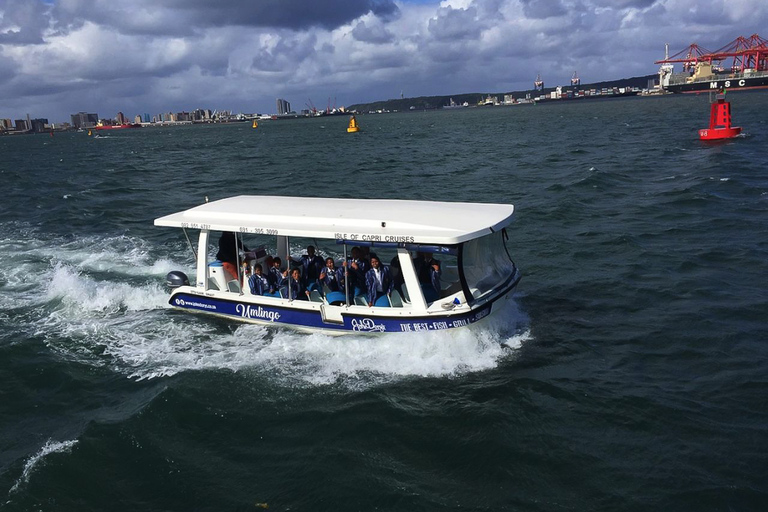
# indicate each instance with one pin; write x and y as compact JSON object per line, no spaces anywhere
{"x":296,"y":289}
{"x":275,"y":275}
{"x":378,"y":280}
{"x":332,"y":277}
{"x":311,"y":266}
{"x":259,"y":283}
{"x":355,"y":269}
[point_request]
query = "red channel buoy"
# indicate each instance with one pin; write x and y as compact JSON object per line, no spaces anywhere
{"x":720,"y":121}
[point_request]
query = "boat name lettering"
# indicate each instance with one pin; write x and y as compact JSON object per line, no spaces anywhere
{"x":742,"y":82}
{"x":247,"y":311}
{"x":367,"y":324}
{"x":187,"y":304}
{"x":374,"y":238}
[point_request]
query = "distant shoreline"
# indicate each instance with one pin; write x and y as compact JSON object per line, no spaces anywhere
{"x":438,"y":102}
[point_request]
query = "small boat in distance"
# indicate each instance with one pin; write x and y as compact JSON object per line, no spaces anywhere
{"x":449,"y":262}
{"x":117,"y":126}
{"x":452,"y":104}
{"x":352,"y":128}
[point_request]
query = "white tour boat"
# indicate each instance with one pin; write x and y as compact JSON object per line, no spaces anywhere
{"x":473,"y":269}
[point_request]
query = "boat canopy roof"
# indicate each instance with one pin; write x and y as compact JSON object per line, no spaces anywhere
{"x":373,"y":220}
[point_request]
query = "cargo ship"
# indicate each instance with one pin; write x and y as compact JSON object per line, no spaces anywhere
{"x":747,"y":68}
{"x":117,"y":126}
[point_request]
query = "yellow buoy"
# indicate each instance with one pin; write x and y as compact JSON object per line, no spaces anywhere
{"x":89,"y":133}
{"x":352,"y":128}
{"x":255,"y":124}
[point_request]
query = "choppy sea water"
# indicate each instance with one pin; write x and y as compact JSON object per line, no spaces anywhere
{"x":629,"y":373}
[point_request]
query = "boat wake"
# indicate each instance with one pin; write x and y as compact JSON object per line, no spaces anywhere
{"x":108,"y":308}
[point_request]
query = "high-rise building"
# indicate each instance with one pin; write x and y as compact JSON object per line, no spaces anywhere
{"x":21,"y":125}
{"x":37,"y":125}
{"x":84,"y":120}
{"x":120,"y":118}
{"x":283,"y":107}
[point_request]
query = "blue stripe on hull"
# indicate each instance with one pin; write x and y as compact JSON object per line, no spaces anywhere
{"x":244,"y":311}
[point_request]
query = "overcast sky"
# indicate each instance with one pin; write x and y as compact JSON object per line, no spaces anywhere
{"x":58,"y":57}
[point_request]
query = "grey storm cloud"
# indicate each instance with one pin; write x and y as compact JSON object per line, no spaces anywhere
{"x":291,"y":14}
{"x":457,"y":24}
{"x":285,"y":54}
{"x":542,"y":9}
{"x":22,"y":22}
{"x":182,"y":16}
{"x":373,"y":33}
{"x":624,"y":4}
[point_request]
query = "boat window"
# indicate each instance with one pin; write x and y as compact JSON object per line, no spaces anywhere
{"x":436,"y":286}
{"x":486,"y":264}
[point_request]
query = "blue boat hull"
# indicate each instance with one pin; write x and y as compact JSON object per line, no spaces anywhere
{"x":312,"y":319}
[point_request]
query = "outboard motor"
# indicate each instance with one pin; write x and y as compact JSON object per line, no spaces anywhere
{"x":176,"y":278}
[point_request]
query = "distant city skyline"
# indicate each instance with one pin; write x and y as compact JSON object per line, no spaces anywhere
{"x":59,"y":57}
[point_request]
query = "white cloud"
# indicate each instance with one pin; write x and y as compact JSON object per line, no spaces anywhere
{"x":161,"y":55}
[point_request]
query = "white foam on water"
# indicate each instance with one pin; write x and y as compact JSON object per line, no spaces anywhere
{"x":47,"y":449}
{"x":81,"y":294}
{"x":319,"y":359}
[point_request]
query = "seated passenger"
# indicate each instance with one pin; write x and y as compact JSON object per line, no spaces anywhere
{"x":397,"y":275}
{"x":295,"y":285}
{"x":331,"y":276}
{"x":268,"y":262}
{"x":378,"y":280}
{"x":259,"y":283}
{"x":311,"y":265}
{"x":355,"y":272}
{"x":228,"y":253}
{"x":275,"y":275}
{"x":428,"y":272}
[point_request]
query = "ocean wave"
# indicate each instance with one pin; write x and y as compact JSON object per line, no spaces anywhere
{"x":33,"y":462}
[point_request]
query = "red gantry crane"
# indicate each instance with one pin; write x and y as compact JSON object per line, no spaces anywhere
{"x":689,"y":56}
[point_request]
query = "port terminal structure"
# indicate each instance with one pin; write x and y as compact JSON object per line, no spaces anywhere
{"x":740,"y":64}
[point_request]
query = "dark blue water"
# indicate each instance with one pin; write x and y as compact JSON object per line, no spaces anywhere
{"x":630,"y":373}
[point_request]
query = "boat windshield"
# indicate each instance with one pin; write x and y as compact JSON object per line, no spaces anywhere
{"x":486,"y":264}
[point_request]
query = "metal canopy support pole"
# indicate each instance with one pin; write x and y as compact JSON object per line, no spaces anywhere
{"x":189,"y":242}
{"x":346,"y":276}
{"x":237,"y":259}
{"x":288,"y":264}
{"x":202,"y":259}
